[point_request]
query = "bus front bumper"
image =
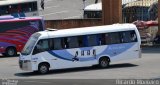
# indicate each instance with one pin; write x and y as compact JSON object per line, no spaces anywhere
{"x":2,"y":49}
{"x":25,"y":65}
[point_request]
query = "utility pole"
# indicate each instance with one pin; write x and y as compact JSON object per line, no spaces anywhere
{"x":111,"y":11}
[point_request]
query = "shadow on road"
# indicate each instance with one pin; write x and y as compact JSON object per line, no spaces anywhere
{"x":1,"y":56}
{"x":62,"y":71}
{"x":151,"y":50}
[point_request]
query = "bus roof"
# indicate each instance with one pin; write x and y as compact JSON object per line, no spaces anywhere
{"x":87,"y":30}
{"x":8,"y":2}
{"x":8,"y":19}
{"x":98,"y":6}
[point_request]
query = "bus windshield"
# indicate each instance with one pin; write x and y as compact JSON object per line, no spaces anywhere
{"x":30,"y":44}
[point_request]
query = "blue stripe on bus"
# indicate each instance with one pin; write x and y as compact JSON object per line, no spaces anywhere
{"x":109,"y":50}
{"x":87,"y":59}
{"x":72,"y":59}
{"x":63,"y":54}
{"x":58,"y":56}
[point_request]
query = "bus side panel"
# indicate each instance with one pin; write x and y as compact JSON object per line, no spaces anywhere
{"x":15,"y":34}
{"x":127,"y":55}
{"x":88,"y":56}
{"x":55,"y":61}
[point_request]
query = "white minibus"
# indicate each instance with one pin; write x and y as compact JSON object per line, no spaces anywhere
{"x":80,"y":47}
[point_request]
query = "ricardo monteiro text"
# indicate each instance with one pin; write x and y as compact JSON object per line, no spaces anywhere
{"x":148,"y":82}
{"x":137,"y":82}
{"x":125,"y":82}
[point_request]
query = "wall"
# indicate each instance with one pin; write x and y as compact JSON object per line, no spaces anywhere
{"x":109,"y":17}
{"x":72,"y":23}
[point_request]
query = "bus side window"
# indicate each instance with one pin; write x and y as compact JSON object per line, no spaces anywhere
{"x":115,"y":38}
{"x":125,"y":37}
{"x":128,"y":36}
{"x":107,"y":38}
{"x":101,"y":39}
{"x":64,"y":42}
{"x":92,"y":40}
{"x":72,"y":42}
{"x":51,"y":44}
{"x":133,"y":36}
{"x":3,"y":10}
{"x":80,"y":41}
{"x":57,"y":44}
{"x":84,"y":41}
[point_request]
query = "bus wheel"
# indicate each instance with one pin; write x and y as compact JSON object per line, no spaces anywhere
{"x":43,"y":68}
{"x":11,"y":51}
{"x":103,"y":62}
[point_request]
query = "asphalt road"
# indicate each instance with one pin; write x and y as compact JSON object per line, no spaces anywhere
{"x":56,"y":82}
{"x":63,"y":9}
{"x":145,"y":68}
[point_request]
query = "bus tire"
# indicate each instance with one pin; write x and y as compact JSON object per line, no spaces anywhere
{"x":10,"y":52}
{"x":4,"y":54}
{"x":43,"y":68}
{"x":103,"y":62}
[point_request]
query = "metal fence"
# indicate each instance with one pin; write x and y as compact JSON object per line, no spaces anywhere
{"x":134,"y":10}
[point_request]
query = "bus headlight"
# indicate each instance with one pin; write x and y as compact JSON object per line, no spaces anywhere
{"x":26,"y":61}
{"x":25,"y":64}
